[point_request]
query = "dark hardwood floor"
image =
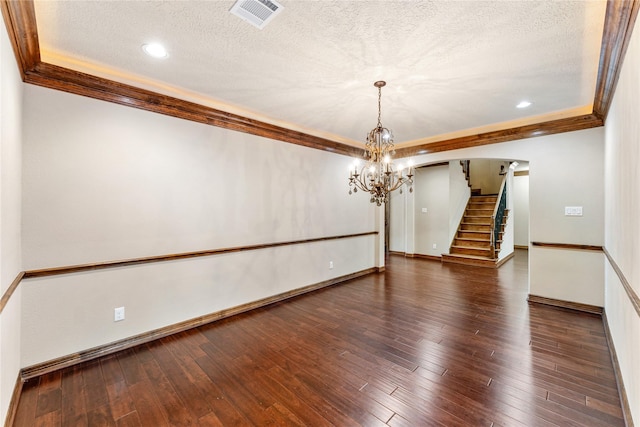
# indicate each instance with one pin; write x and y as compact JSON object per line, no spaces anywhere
{"x":424,"y":344}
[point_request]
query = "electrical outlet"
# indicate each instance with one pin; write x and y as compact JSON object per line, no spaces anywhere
{"x":330,"y":265}
{"x":118,"y":314}
{"x":434,"y":246}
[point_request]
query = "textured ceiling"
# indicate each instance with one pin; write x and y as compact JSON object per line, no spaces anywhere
{"x":452,"y":67}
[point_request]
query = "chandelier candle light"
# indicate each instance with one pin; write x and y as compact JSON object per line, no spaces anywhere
{"x":378,"y":176}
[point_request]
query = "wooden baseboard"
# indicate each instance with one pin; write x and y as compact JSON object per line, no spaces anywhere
{"x":13,"y":404}
{"x":593,"y":309}
{"x":380,"y":269}
{"x":525,"y":247}
{"x":430,"y":257}
{"x":505,"y":259}
{"x":462,"y":260}
{"x":113,"y":347}
{"x":406,"y":255}
{"x":622,"y":392}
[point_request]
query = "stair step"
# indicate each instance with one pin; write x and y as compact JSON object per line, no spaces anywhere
{"x":470,"y":260}
{"x":476,"y":219}
{"x":484,"y":204}
{"x":480,"y":243}
{"x":484,"y":199}
{"x":471,"y":250}
{"x":474,"y":234}
{"x":478,"y":212}
{"x":465,"y":226}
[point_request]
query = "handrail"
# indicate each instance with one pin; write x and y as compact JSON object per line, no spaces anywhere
{"x":497,"y":215}
{"x":466,"y":169}
{"x":504,"y":183}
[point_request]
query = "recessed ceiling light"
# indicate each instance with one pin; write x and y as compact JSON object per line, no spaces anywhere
{"x":155,"y":49}
{"x":523,"y":104}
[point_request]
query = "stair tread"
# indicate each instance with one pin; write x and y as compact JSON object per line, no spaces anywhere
{"x":475,"y":248}
{"x":471,"y":239}
{"x":469,"y":256}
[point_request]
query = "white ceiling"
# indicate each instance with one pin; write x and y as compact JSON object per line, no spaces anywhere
{"x":452,"y":67}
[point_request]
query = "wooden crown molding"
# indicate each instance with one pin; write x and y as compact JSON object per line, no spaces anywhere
{"x":19,"y":17}
{"x":494,"y":137}
{"x":20,"y":21}
{"x":619,"y":22}
{"x":67,"y":80}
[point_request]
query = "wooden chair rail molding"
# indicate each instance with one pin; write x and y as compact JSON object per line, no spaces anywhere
{"x":20,"y":20}
{"x":159,"y":258}
{"x":631,"y":293}
{"x":567,"y":246}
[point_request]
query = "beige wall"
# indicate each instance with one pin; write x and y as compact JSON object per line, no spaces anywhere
{"x":459,"y":193}
{"x":521,"y":210}
{"x":105,"y":182}
{"x":10,"y":186}
{"x":622,"y":219}
{"x":484,"y":174}
{"x":397,"y":223}
{"x":431,"y":192}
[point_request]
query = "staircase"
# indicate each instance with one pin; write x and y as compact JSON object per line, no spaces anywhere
{"x":472,"y":243}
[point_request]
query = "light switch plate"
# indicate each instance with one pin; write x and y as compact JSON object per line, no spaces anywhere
{"x":573,"y":211}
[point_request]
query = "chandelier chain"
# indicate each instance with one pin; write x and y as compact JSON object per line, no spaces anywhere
{"x":379,"y":106}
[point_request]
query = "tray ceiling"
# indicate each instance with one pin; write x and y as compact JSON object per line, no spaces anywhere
{"x":452,"y":67}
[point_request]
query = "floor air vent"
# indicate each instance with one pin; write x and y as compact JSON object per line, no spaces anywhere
{"x":256,"y":12}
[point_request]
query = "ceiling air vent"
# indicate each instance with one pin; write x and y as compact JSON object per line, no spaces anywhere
{"x":256,"y":12}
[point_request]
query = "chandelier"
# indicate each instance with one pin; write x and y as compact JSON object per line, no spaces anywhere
{"x":378,"y":176}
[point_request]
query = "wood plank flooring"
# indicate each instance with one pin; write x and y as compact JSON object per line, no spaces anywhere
{"x":424,"y":344}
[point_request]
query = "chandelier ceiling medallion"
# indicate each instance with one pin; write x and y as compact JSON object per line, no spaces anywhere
{"x":379,"y":176}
